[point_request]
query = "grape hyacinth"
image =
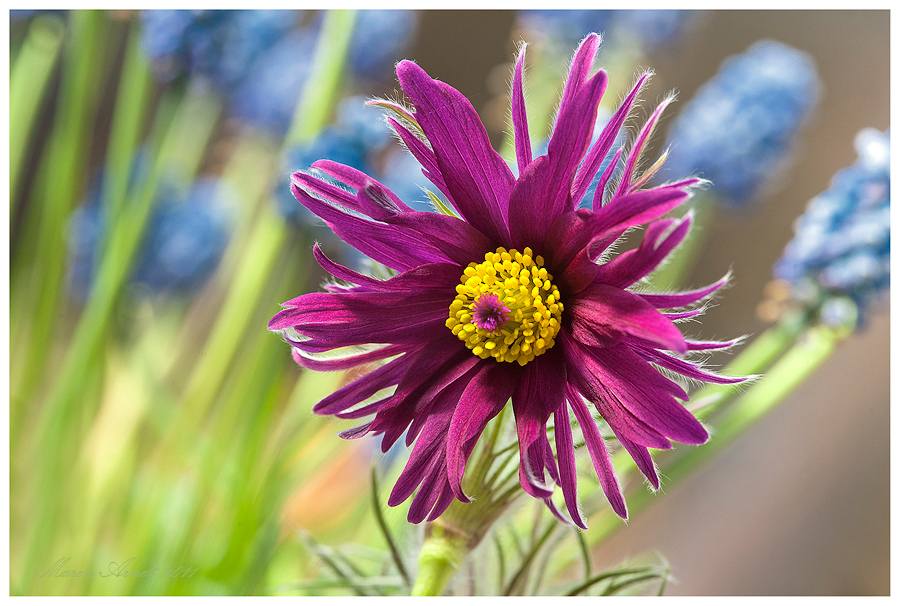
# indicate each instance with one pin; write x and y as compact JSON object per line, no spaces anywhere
{"x":185,"y":240}
{"x":739,"y":128}
{"x":651,"y":29}
{"x":219,"y":45}
{"x":380,"y":37}
{"x":843,"y":240}
{"x":267,"y":97}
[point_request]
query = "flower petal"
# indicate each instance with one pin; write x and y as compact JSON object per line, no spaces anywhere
{"x":438,"y":365}
{"x":386,"y":244}
{"x":582,"y":378}
{"x":688,"y":369}
{"x":536,"y":397}
{"x":602,"y":315}
{"x":362,"y":388}
{"x":565,"y":453}
{"x":642,"y":459}
{"x":379,"y":201}
{"x":481,"y":401}
{"x":477,"y":177}
{"x":634,"y":264}
{"x":424,"y":154}
{"x":543,"y":190}
{"x":332,"y":320}
{"x":519,"y":117}
{"x":344,"y":360}
{"x":682,"y":299}
{"x":599,"y":455}
{"x":570,"y":240}
{"x":645,"y":392}
{"x":604,"y":143}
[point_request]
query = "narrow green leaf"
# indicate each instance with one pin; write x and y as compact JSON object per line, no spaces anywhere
{"x":382,"y":525}
{"x":617,"y":587}
{"x":332,"y":562}
{"x":501,"y":561}
{"x":604,"y":576}
{"x":28,"y":80}
{"x":585,"y":553}
{"x":522,"y":572}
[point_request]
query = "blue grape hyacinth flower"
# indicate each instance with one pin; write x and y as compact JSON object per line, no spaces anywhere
{"x":841,"y":247}
{"x":739,"y":128}
{"x":380,"y":37}
{"x":219,"y":45}
{"x":267,"y":97}
{"x":183,"y":245}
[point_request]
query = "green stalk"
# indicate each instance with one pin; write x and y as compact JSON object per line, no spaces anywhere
{"x":132,"y":103}
{"x":269,"y":232}
{"x":38,"y":265}
{"x":28,"y":82}
{"x":459,"y":529}
{"x":441,"y":556}
{"x":325,"y":77}
{"x":128,"y":122}
{"x":810,"y":351}
{"x":57,"y":427}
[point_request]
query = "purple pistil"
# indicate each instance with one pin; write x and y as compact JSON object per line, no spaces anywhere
{"x":488,"y":313}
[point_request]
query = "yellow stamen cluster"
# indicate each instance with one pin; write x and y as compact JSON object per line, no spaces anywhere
{"x":523,"y":286}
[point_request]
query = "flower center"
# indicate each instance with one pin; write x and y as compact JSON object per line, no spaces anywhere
{"x":506,"y":307}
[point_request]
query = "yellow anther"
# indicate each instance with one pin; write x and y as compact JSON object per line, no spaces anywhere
{"x":506,"y":307}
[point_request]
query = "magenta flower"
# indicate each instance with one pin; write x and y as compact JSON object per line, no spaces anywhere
{"x":513,"y":299}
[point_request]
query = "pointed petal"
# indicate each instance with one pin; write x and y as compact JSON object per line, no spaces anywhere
{"x":350,"y":359}
{"x":477,"y":177}
{"x":483,"y":398}
{"x":362,"y":388}
{"x":537,"y":396}
{"x":604,"y":143}
{"x":583,"y":380}
{"x":689,"y":369}
{"x":635,"y":264}
{"x":543,"y":191}
{"x":645,"y":392}
{"x":642,"y":459}
{"x":519,"y":117}
{"x":424,"y":154}
{"x":384,"y":202}
{"x":638,"y":148}
{"x":565,"y":454}
{"x":681,"y":299}
{"x":602,"y":315}
{"x":599,"y":456}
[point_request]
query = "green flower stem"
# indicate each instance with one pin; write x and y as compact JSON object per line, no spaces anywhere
{"x":257,"y":263}
{"x":28,"y":81}
{"x":461,"y":528}
{"x":810,"y":351}
{"x":132,"y":103}
{"x":441,"y":556}
{"x":38,"y":264}
{"x":321,"y":90}
{"x":58,"y":429}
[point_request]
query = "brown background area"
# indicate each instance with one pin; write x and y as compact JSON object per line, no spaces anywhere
{"x":799,"y":504}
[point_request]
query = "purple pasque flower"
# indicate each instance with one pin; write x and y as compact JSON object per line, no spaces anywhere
{"x":507,"y":300}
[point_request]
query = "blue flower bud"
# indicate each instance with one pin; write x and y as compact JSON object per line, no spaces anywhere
{"x":842,"y":241}
{"x":739,"y":128}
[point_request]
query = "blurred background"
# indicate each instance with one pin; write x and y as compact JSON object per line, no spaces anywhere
{"x":152,"y":415}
